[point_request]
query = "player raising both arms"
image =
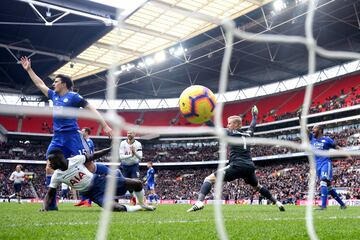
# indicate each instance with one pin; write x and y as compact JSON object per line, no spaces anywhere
{"x":67,"y":136}
{"x":73,"y":172}
{"x":240,"y":164}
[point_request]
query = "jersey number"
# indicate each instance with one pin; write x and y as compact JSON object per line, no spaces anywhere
{"x":82,"y":151}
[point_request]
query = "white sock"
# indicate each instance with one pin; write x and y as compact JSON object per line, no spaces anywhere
{"x":132,"y":208}
{"x":140,"y":197}
{"x":12,"y":195}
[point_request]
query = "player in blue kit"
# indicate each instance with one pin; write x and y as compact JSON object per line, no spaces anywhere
{"x":150,"y":183}
{"x":324,"y":166}
{"x":86,"y":134}
{"x":67,"y":136}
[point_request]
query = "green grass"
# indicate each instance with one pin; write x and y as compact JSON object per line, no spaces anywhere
{"x":24,"y":221}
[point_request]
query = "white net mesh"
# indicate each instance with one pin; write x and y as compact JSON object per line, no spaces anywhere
{"x":231,"y":32}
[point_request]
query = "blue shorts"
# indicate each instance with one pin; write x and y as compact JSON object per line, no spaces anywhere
{"x":17,"y":187}
{"x":97,"y":191}
{"x":150,"y":186}
{"x":130,"y":171}
{"x":324,"y":171}
{"x":71,"y":143}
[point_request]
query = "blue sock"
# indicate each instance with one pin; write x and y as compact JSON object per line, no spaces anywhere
{"x":324,"y":193}
{"x":334,"y":194}
{"x":101,"y":169}
{"x":53,"y":202}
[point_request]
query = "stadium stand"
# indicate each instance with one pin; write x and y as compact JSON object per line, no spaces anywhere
{"x":328,"y":95}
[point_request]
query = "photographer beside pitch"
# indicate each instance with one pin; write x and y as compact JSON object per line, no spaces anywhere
{"x":240,"y":163}
{"x":74,"y":173}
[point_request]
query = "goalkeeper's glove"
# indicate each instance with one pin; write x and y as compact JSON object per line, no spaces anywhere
{"x":254,"y":111}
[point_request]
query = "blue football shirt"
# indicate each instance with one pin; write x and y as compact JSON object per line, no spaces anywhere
{"x":91,"y":145}
{"x":150,"y":176}
{"x":322,"y":143}
{"x":70,"y":99}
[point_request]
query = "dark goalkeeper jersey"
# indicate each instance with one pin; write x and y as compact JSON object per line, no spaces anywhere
{"x":240,"y":154}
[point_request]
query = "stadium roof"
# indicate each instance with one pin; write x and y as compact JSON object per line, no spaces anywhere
{"x":80,"y":43}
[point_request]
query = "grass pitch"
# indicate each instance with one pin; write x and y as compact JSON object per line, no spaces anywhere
{"x":24,"y":221}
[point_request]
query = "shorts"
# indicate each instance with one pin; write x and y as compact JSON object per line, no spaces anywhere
{"x":324,"y":171}
{"x":97,"y":190}
{"x":71,"y":143}
{"x":130,"y":171}
{"x":17,"y":187}
{"x":232,"y":172}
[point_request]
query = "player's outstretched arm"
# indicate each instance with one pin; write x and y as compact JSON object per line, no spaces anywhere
{"x":26,"y":64}
{"x":105,"y":126}
{"x":254,"y":113}
{"x":347,"y":157}
{"x":98,"y":154}
{"x":51,"y":194}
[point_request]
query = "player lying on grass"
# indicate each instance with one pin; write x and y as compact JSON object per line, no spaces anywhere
{"x":73,"y":172}
{"x":240,"y":163}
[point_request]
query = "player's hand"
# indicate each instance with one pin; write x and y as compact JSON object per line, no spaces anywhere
{"x":26,"y":63}
{"x":108,"y":130}
{"x":132,"y":148}
{"x":254,"y":111}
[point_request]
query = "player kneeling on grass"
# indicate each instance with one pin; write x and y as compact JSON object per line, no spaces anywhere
{"x":73,"y":172}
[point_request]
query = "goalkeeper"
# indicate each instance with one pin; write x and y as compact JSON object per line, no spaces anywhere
{"x":240,"y":163}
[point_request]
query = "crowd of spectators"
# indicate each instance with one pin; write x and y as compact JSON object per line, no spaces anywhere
{"x":173,"y":152}
{"x":37,"y":182}
{"x":287,"y":180}
{"x":333,"y":102}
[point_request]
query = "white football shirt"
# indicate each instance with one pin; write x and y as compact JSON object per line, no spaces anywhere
{"x":77,"y":176}
{"x":125,"y":153}
{"x":17,"y":177}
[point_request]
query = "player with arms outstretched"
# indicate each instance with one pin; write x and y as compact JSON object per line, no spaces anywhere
{"x":67,"y":136}
{"x":240,"y":164}
{"x":73,"y":172}
{"x":324,"y":165}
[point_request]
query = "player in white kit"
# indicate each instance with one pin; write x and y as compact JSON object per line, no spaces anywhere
{"x":73,"y":172}
{"x":130,"y":152}
{"x":18,"y":178}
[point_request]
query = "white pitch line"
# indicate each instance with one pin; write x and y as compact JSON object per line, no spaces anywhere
{"x":176,"y":221}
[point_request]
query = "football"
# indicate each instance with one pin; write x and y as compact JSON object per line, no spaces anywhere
{"x":197,"y":104}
